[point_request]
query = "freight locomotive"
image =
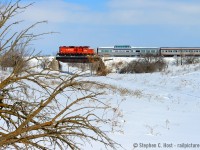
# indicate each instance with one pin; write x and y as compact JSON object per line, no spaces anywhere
{"x":75,"y":51}
{"x":75,"y":54}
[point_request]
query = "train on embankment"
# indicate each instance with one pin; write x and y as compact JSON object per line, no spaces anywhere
{"x":81,"y":53}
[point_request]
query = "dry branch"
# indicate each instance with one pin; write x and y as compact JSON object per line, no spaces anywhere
{"x":34,"y":114}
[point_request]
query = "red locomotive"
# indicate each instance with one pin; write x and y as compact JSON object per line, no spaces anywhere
{"x":78,"y":54}
{"x":75,"y":51}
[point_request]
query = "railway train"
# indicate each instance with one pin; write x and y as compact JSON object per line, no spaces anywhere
{"x":71,"y":53}
{"x":128,"y":51}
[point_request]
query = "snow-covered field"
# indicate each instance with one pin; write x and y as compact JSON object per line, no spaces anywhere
{"x":160,"y":111}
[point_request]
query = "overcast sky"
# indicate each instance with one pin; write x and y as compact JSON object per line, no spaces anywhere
{"x":110,"y":22}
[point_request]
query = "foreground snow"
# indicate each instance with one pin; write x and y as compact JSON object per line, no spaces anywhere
{"x":160,"y":111}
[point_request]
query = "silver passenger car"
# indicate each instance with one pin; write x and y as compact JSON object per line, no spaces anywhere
{"x":127,"y":51}
{"x":180,"y":51}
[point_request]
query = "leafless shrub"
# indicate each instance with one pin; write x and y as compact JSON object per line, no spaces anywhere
{"x":44,"y":62}
{"x":102,"y":70}
{"x":120,"y":64}
{"x":117,"y":65}
{"x":125,"y":92}
{"x":191,"y":60}
{"x":54,"y":65}
{"x":13,"y":59}
{"x":137,"y":93}
{"x":186,"y":60}
{"x":98,"y":66}
{"x":147,"y":64}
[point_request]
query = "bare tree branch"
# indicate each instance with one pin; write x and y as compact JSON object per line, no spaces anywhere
{"x":41,"y":108}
